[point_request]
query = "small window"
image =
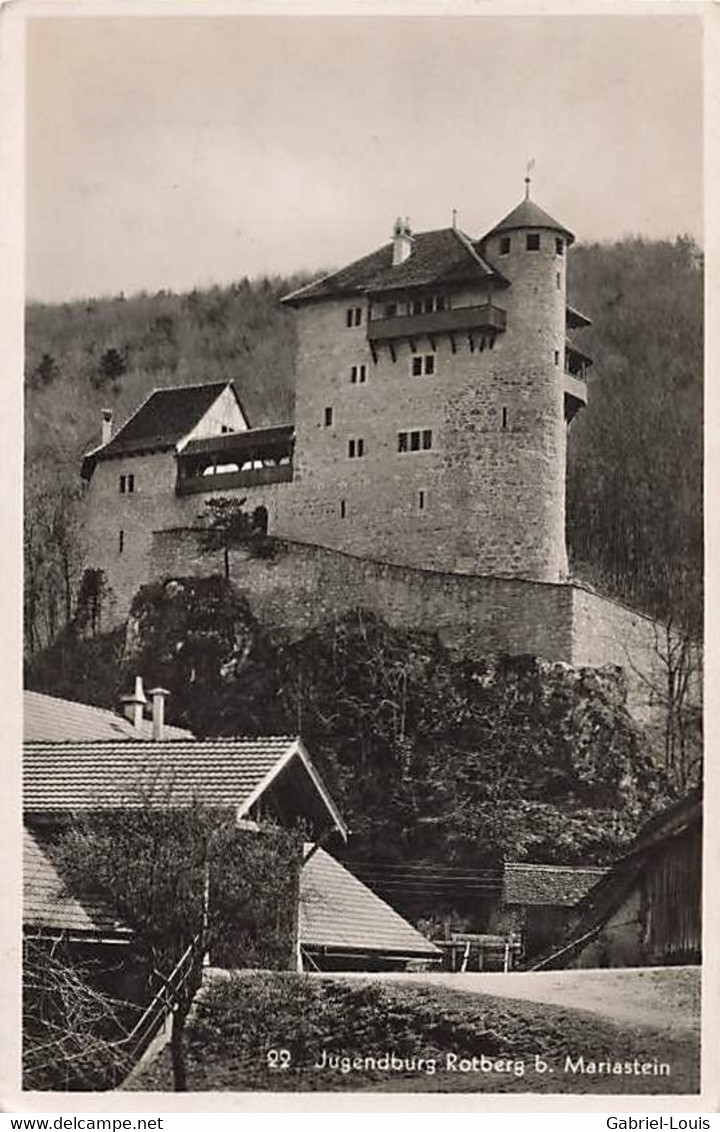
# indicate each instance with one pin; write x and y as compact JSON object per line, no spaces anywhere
{"x":353,"y":316}
{"x":559,"y":246}
{"x":558,"y":280}
{"x":402,"y":442}
{"x":131,"y":484}
{"x":123,"y":484}
{"x":427,"y":439}
{"x":532,"y":241}
{"x":121,"y":542}
{"x":415,"y":441}
{"x":504,"y":417}
{"x":422,"y":364}
{"x":421,"y":501}
{"x":358,"y":374}
{"x":328,"y":416}
{"x":351,"y":449}
{"x":361,"y":447}
{"x":356,"y":448}
{"x":343,"y":509}
{"x":504,"y":245}
{"x":557,"y":357}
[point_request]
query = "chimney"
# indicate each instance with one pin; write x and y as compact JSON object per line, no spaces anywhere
{"x":133,"y":705}
{"x":402,"y":241}
{"x":158,"y":713}
{"x":107,"y":418}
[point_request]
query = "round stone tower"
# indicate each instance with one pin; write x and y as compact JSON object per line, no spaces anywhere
{"x":529,"y":249}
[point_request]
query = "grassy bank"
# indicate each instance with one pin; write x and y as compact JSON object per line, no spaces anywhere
{"x":433,"y":1032}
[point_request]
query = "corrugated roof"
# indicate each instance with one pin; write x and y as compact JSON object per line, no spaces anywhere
{"x":561,"y":886}
{"x":529,"y":215}
{"x":54,"y":720}
{"x":65,"y":777}
{"x":46,"y":903}
{"x":438,"y":256}
{"x":338,"y":912}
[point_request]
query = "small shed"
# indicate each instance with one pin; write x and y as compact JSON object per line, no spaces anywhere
{"x":647,"y":910}
{"x":539,"y":902}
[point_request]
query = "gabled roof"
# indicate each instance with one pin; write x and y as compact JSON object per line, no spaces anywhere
{"x":529,"y":215}
{"x":555,"y":885}
{"x":164,"y":418}
{"x":63,"y":778}
{"x":440,"y":256}
{"x":48,"y":906}
{"x":338,"y":913}
{"x":54,"y":720}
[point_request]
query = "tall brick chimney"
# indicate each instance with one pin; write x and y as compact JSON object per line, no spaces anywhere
{"x":107,"y":421}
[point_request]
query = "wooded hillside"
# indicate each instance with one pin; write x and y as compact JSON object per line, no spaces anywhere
{"x":635,"y":454}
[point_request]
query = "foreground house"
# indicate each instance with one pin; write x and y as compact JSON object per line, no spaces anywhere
{"x":97,"y":760}
{"x":647,"y":909}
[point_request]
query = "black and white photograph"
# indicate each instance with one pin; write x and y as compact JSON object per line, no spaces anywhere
{"x":363,"y":553}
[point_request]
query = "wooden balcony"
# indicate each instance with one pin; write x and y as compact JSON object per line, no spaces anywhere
{"x":487,"y":318}
{"x":226,"y":481}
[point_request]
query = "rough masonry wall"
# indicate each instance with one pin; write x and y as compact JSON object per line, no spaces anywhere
{"x":489,"y":496}
{"x":607,"y":632}
{"x":153,"y":503}
{"x":304,"y":586}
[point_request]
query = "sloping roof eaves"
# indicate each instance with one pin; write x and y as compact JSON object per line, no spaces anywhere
{"x":441,"y":255}
{"x":527,"y":214}
{"x":61,"y":778}
{"x":339,"y":913}
{"x":558,"y":886}
{"x":163,"y":418}
{"x":51,"y":719}
{"x":48,"y":906}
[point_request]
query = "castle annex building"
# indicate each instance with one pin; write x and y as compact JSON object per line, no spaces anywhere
{"x":424,"y":474}
{"x":435,"y":380}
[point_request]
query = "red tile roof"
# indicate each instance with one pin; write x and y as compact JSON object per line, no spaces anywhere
{"x":48,"y":906}
{"x":65,"y":777}
{"x":54,"y":720}
{"x":556,"y":885}
{"x":441,"y":256}
{"x":339,"y":913}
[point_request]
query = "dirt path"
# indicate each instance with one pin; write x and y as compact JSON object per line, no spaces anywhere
{"x":662,"y":997}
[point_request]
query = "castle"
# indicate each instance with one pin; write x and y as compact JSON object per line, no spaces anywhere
{"x":424,"y":474}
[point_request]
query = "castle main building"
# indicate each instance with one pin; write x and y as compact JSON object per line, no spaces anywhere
{"x":434,"y":384}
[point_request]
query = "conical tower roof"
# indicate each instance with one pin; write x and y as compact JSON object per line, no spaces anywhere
{"x":530,"y":215}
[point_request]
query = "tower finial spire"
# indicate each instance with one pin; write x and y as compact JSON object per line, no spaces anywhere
{"x":454,"y":218}
{"x":529,"y":168}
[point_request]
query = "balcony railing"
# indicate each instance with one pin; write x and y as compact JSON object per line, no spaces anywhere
{"x":482,"y":318}
{"x":225,"y":481}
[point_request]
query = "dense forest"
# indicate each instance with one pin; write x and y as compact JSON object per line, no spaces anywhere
{"x":635,"y":454}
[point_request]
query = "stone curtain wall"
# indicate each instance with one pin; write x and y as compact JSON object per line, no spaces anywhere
{"x":304,"y":585}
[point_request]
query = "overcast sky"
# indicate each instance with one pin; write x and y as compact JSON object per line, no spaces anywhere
{"x":178,"y":152}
